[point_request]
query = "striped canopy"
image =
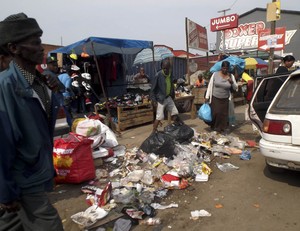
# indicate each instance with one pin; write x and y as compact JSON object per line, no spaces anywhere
{"x":255,"y":63}
{"x":146,"y":55}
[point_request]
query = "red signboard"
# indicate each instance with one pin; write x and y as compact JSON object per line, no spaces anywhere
{"x":266,"y":40}
{"x":225,"y":22}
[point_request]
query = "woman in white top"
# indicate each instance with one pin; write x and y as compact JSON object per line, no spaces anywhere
{"x":218,"y":93}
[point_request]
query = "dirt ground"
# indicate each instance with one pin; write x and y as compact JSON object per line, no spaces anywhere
{"x":250,"y":198}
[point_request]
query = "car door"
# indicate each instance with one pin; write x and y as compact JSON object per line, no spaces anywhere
{"x":262,"y":97}
{"x":286,"y":107}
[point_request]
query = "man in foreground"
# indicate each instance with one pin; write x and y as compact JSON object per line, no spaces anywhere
{"x":28,"y":112}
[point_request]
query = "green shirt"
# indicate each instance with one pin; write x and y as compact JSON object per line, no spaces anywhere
{"x":168,"y":83}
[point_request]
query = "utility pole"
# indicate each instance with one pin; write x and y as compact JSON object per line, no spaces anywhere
{"x":273,"y":14}
{"x":271,"y":56}
{"x":224,"y":13}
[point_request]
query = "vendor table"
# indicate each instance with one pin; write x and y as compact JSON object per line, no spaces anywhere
{"x":183,"y":99}
{"x":129,"y":116}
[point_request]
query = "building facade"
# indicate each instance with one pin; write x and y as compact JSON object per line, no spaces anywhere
{"x":245,"y":37}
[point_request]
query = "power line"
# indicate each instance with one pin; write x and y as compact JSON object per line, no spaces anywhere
{"x":233,"y":4}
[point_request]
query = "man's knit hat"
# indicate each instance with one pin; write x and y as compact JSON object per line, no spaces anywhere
{"x":18,"y":27}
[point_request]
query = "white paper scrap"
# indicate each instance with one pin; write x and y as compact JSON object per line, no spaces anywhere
{"x":159,"y":206}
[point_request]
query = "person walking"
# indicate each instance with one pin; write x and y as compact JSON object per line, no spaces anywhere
{"x":28,"y":113}
{"x":68,"y":95}
{"x":162,"y":93}
{"x":218,"y":93}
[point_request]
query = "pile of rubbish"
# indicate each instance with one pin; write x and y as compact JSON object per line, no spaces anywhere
{"x":134,"y":181}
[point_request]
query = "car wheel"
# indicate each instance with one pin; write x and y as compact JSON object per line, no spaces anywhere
{"x":273,"y":169}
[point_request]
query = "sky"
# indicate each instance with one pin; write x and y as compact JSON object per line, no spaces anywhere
{"x":161,"y":21}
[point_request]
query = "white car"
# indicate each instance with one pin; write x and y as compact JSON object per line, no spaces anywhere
{"x":275,"y":111}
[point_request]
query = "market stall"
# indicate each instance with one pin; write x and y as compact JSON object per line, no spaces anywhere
{"x":97,"y":46}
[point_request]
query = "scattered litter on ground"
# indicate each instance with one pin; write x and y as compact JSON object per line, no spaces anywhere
{"x":246,"y":155}
{"x":89,"y":216}
{"x":159,"y":206}
{"x":226,"y":167}
{"x":218,"y":206}
{"x":135,"y":181}
{"x":195,"y":215}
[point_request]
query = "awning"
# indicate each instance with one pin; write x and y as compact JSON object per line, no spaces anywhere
{"x":104,"y":46}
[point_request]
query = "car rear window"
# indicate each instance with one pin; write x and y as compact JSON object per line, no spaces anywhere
{"x":288,"y":100}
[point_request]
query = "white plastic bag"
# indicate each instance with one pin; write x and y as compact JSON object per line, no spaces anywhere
{"x":110,"y":137}
{"x":88,"y":127}
{"x":89,"y":216}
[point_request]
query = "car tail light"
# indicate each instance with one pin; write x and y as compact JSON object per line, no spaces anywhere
{"x":277,"y":127}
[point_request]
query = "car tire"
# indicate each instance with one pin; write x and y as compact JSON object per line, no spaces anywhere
{"x":273,"y":169}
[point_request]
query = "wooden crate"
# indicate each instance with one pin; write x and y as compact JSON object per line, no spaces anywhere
{"x":198,"y":92}
{"x":134,"y":115}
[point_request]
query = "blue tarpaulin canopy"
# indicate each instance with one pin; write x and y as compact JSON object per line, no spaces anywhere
{"x":100,"y":46}
{"x":104,"y":46}
{"x":234,"y":61}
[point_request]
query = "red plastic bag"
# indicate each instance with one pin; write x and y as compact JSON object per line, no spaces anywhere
{"x":73,"y":160}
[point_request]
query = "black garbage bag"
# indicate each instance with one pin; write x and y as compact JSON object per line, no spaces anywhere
{"x":180,"y":132}
{"x":160,"y":144}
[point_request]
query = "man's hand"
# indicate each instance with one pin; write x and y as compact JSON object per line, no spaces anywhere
{"x":10,"y":207}
{"x":154,"y":103}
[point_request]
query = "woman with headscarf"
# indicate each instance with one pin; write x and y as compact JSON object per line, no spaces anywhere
{"x":218,"y":94}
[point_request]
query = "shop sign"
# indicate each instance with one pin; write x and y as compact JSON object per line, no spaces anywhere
{"x":223,"y":23}
{"x":245,"y":36}
{"x":266,"y":40}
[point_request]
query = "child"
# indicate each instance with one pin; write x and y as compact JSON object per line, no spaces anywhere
{"x":200,"y":82}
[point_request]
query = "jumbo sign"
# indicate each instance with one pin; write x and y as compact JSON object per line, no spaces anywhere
{"x":223,"y":23}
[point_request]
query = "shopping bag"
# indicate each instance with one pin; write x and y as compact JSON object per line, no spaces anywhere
{"x":204,"y":113}
{"x":231,"y":113}
{"x":73,"y":160}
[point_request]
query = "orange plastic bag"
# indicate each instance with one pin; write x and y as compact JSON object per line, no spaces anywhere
{"x":73,"y":160}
